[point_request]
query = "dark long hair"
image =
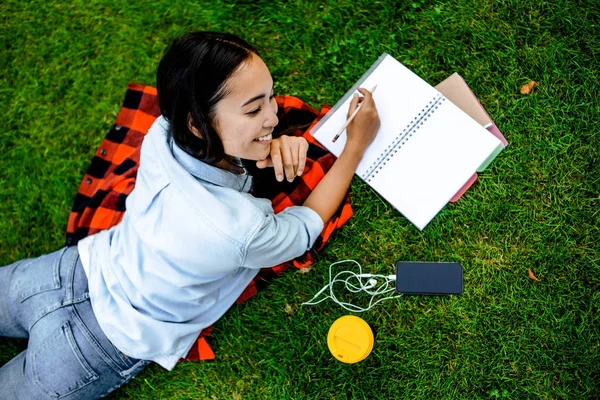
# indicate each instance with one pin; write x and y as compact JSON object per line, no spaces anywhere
{"x":191,"y":80}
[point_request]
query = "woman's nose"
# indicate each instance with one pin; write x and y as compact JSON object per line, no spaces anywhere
{"x":272,"y":119}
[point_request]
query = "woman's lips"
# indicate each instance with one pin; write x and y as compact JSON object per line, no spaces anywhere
{"x":264,"y":139}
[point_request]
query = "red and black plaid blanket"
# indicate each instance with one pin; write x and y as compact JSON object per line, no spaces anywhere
{"x":100,"y":200}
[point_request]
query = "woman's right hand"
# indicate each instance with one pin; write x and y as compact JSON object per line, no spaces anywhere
{"x":362,"y":130}
{"x":329,"y":193}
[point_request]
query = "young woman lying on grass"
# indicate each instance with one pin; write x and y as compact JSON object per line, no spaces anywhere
{"x":191,"y":240}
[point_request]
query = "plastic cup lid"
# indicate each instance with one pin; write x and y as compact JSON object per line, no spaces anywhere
{"x":350,"y":339}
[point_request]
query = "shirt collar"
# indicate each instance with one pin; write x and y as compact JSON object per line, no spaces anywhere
{"x":209,"y":173}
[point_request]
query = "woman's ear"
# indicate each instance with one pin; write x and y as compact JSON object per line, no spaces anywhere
{"x":192,"y":128}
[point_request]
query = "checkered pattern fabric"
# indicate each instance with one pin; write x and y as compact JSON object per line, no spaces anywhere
{"x":100,"y":200}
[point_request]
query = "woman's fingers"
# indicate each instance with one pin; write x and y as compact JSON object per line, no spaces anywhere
{"x":367,"y":98}
{"x":289,"y":154}
{"x":288,"y":157}
{"x":276,"y":159}
{"x":353,"y":104}
{"x":262,"y":164}
{"x":367,"y":94}
{"x":294,"y":152}
{"x":362,"y":130}
{"x":302,"y":150}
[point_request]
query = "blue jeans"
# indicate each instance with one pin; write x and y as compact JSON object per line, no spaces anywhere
{"x":46,"y":300}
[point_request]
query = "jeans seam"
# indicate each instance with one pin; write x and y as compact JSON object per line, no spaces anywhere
{"x":55,"y":307}
{"x":94,"y":342}
{"x":120,"y":354}
{"x":56,"y":274}
{"x":70,"y":284}
{"x":77,"y":351}
{"x":54,"y":285}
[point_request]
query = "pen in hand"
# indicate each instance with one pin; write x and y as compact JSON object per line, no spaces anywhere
{"x":350,"y":118}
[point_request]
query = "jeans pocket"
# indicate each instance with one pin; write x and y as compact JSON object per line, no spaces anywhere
{"x":38,"y":275}
{"x":57,"y":365}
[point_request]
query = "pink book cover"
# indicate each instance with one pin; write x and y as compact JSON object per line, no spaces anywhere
{"x":456,"y":89}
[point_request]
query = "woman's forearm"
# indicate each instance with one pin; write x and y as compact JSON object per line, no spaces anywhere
{"x":329,"y":193}
{"x":331,"y":190}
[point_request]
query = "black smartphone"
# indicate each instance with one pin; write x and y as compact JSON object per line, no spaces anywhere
{"x":429,"y":278}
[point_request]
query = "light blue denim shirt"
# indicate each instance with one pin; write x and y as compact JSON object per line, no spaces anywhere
{"x":191,"y":240}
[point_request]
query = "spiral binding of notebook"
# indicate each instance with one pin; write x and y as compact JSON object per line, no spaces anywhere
{"x":412,"y":127}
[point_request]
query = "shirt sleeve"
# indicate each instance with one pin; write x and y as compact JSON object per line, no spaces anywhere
{"x":283,"y":237}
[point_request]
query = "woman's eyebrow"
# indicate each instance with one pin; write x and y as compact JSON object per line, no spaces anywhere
{"x":260,"y":96}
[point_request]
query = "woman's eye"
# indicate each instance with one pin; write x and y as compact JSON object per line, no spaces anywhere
{"x":258,"y":110}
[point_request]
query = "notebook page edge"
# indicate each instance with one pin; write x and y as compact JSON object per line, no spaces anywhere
{"x":419,"y":226}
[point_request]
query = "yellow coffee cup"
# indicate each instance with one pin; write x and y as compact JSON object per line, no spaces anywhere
{"x":350,"y":339}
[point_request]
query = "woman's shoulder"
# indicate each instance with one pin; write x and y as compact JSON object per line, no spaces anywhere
{"x":207,"y":210}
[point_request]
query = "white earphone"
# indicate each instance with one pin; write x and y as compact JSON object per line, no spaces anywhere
{"x":372,"y":287}
{"x":371,"y":284}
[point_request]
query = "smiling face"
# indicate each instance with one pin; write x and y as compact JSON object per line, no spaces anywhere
{"x":244,"y":119}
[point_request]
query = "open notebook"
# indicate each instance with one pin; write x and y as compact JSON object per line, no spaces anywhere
{"x":426,"y":149}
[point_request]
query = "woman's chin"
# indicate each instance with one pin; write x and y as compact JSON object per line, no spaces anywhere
{"x":263,"y":157}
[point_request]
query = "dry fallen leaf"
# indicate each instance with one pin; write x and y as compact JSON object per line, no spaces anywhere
{"x":289,"y":309}
{"x":532,"y":276}
{"x":526,"y":88}
{"x":304,"y":270}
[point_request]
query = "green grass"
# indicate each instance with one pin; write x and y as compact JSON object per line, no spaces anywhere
{"x":64,"y":70}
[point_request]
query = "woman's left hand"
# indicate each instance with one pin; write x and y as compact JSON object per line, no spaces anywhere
{"x":288,"y":154}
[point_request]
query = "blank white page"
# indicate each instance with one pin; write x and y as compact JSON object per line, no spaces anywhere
{"x":430,"y":168}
